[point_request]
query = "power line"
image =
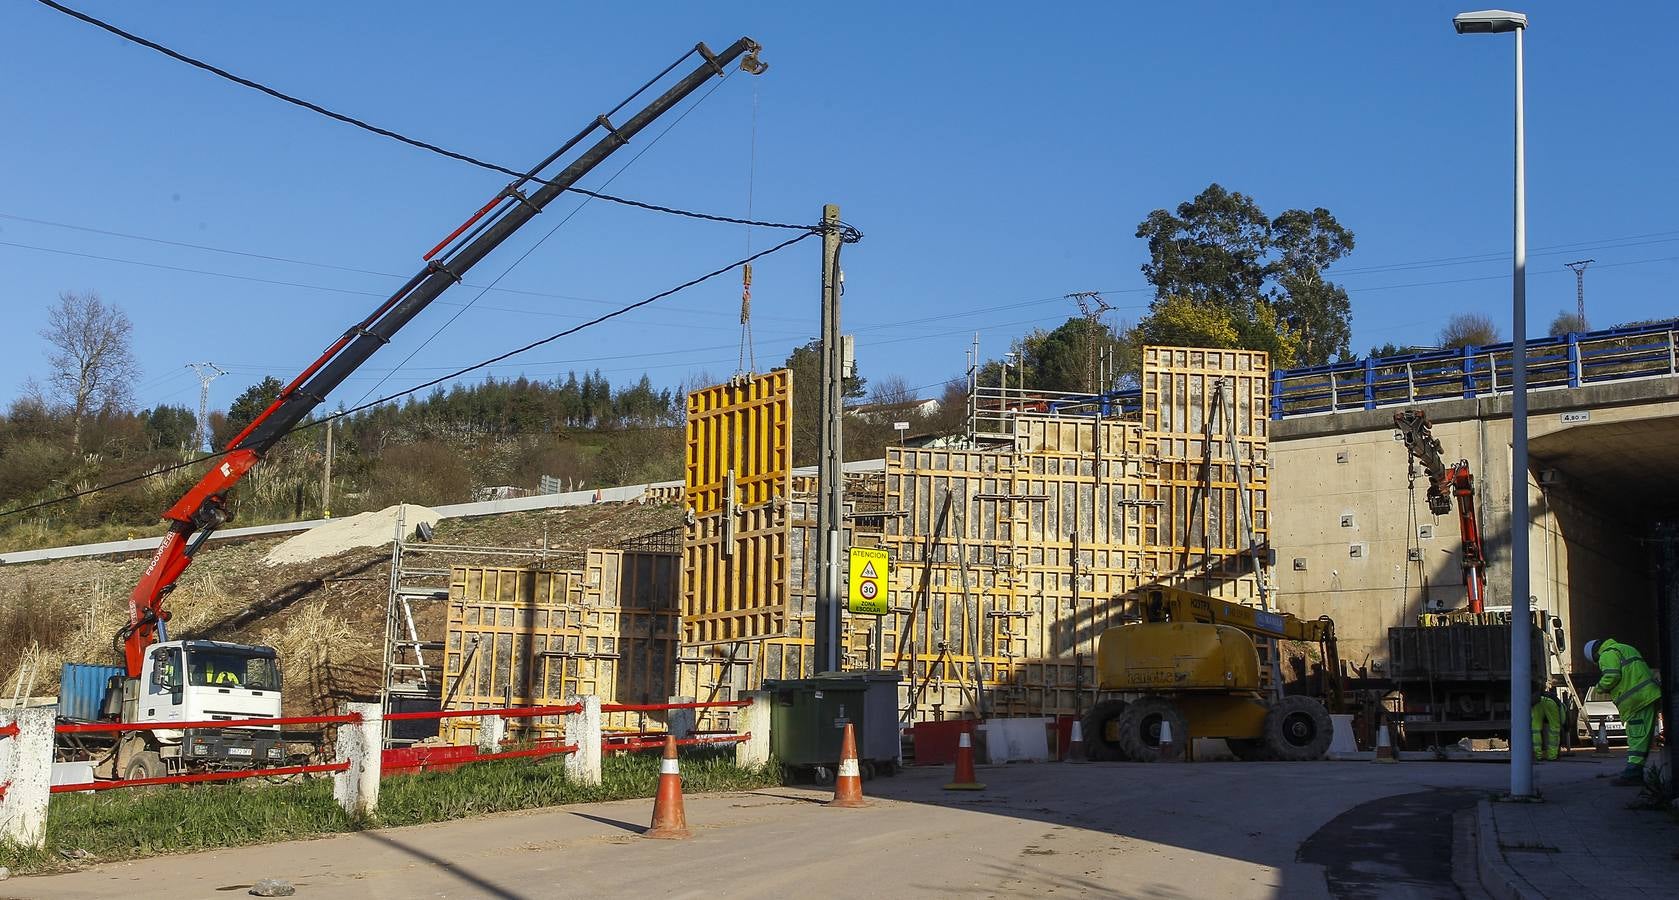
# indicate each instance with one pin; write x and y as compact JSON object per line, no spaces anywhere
{"x":436,"y":381}
{"x":414,"y":142}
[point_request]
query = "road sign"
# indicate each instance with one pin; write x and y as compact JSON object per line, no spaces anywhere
{"x":869,"y":570}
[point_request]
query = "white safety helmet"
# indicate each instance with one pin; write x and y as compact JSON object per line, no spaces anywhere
{"x":1591,"y":649}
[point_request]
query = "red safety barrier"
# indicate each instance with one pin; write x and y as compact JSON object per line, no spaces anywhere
{"x":529,"y":751}
{"x":654,"y":744}
{"x":657,"y":707}
{"x":200,"y":777}
{"x":505,"y":712}
{"x":82,"y":728}
{"x":8,"y":730}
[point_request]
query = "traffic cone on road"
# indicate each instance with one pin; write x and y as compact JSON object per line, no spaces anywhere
{"x":1600,"y":743}
{"x":1384,"y":746}
{"x":1169,"y":752}
{"x":848,"y":787}
{"x":1075,"y":743}
{"x":964,"y":780}
{"x":669,"y":821}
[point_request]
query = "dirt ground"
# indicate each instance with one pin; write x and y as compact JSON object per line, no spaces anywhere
{"x":325,"y":616}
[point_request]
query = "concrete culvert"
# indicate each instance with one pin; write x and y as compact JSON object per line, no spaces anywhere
{"x":1297,"y":729}
{"x":1100,"y":731}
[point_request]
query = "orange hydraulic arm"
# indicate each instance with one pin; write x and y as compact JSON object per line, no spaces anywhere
{"x":204,"y":508}
{"x":1444,"y":483}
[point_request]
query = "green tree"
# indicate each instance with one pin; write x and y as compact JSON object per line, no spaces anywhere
{"x":806,"y":363}
{"x":1263,"y":276}
{"x":1060,"y":359}
{"x":247,"y":406}
{"x":169,"y":427}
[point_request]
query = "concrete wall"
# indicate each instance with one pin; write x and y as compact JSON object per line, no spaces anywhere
{"x":1342,"y":519}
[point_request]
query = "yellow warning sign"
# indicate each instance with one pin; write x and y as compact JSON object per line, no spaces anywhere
{"x":869,"y":570}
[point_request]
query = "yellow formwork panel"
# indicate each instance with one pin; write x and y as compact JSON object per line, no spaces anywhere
{"x":734,"y":549}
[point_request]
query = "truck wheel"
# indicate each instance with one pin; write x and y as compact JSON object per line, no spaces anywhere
{"x":145,"y":764}
{"x":822,"y":776}
{"x":1248,"y":749}
{"x":1097,"y":747}
{"x":1139,"y":728}
{"x":1297,"y":729}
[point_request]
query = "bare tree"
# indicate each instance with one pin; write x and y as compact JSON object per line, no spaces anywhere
{"x":1470,"y":329}
{"x":93,"y":366}
{"x":891,"y":389}
{"x":1566,"y":322}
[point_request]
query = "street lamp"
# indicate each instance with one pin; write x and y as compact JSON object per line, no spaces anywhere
{"x":1498,"y":21}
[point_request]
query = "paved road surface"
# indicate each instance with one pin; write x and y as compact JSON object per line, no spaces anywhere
{"x":1102,"y":830}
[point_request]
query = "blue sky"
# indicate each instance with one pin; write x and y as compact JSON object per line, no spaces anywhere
{"x":996,"y":157}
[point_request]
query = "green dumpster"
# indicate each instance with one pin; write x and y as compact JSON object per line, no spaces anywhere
{"x":808,"y":718}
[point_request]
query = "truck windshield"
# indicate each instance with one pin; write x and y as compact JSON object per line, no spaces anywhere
{"x":221,"y":668}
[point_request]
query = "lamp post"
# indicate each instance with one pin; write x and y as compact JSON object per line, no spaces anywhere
{"x":1498,"y":21}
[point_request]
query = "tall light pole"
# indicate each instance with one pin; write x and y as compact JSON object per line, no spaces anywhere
{"x":1498,"y":21}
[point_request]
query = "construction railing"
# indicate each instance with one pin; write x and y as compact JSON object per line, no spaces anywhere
{"x":357,"y":763}
{"x":1565,"y":361}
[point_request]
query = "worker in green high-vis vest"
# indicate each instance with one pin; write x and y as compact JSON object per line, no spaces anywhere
{"x":1628,"y":680}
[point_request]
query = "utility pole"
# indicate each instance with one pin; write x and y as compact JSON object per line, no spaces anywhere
{"x":830,"y":511}
{"x":326,"y":474}
{"x":1579,"y":267}
{"x":207,"y":372}
{"x":1091,"y":306}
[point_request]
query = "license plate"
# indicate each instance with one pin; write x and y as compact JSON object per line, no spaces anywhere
{"x":238,"y":751}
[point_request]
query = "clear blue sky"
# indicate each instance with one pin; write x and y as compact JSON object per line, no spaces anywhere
{"x":994,"y":155}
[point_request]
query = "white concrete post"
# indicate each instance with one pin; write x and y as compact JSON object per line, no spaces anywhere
{"x":492,"y":730}
{"x":583,"y":729}
{"x":754,"y":720}
{"x":362,"y":743}
{"x":680,"y":722}
{"x":26,"y":762}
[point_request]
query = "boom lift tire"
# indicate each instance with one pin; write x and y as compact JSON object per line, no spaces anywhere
{"x":1297,"y":729}
{"x":145,"y":764}
{"x":1139,"y":728}
{"x":1097,"y":746}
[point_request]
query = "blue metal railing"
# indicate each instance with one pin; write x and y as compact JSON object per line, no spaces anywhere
{"x":1571,"y":360}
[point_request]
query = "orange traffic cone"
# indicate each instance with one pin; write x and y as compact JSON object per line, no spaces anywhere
{"x":1384,"y":746}
{"x":1075,"y":743}
{"x":848,"y":787}
{"x":669,"y":821}
{"x":1168,"y":751}
{"x":964,"y":780}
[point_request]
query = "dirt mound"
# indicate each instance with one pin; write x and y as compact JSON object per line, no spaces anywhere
{"x":369,"y":529}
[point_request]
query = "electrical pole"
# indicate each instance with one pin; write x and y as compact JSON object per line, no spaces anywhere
{"x":830,"y":511}
{"x":207,"y":372}
{"x":326,"y":474}
{"x":1579,"y":267}
{"x":1091,"y":306}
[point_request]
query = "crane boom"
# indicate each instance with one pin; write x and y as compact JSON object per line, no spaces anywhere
{"x":203,"y":509}
{"x":1444,"y":483}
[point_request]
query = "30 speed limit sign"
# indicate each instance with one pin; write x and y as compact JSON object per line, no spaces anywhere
{"x":869,"y":570}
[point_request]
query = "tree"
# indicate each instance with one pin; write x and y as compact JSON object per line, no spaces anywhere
{"x":806,"y":363}
{"x":1470,"y":329}
{"x":1058,"y":360}
{"x":1566,"y":323}
{"x":891,"y":389}
{"x":247,"y":406}
{"x":1262,"y":277}
{"x":93,"y":365}
{"x":170,"y":427}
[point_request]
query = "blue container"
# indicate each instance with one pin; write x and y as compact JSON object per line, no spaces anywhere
{"x":81,"y":689}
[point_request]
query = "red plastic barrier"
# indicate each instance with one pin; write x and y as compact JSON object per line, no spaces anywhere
{"x":8,"y":730}
{"x":505,"y":712}
{"x":81,"y":728}
{"x":659,"y":707}
{"x":448,"y":757}
{"x":199,"y":777}
{"x":935,"y":742}
{"x":530,"y":751}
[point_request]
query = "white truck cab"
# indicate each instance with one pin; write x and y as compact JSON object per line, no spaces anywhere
{"x":201,"y":681}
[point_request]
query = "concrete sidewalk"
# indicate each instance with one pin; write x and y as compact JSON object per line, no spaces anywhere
{"x":1580,"y":842}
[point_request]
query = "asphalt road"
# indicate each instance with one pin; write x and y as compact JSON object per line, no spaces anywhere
{"x":1099,"y":830}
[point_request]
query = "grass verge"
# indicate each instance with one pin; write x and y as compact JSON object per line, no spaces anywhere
{"x":137,"y":822}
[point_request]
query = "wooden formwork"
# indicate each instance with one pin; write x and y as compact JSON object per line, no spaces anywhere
{"x":535,"y":637}
{"x":736,"y":486}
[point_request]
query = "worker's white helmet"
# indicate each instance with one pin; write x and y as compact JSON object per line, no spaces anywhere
{"x":1591,"y":649}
